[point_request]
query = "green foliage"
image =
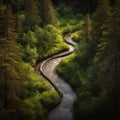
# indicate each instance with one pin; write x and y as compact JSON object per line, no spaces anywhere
{"x":32,"y":14}
{"x":77,"y":36}
{"x":22,"y":92}
{"x":34,"y":83}
{"x":30,"y":55}
{"x":28,"y":43}
{"x":35,"y":104}
{"x":35,"y":43}
{"x":93,"y":71}
{"x":104,"y":11}
{"x":50,"y":35}
{"x":96,"y":66}
{"x":70,"y":23}
{"x":64,"y":10}
{"x":33,"y":109}
{"x":66,"y":69}
{"x":10,"y":64}
{"x":36,"y":101}
{"x":48,"y":12}
{"x":49,"y":98}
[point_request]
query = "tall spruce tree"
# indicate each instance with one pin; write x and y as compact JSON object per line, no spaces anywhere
{"x":99,"y":20}
{"x":100,"y":17}
{"x":32,"y":13}
{"x":99,"y":26}
{"x":108,"y":57}
{"x":111,"y":54}
{"x":10,"y":74}
{"x":48,"y":12}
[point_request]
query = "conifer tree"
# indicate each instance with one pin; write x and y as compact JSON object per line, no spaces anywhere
{"x":10,"y":74}
{"x":109,"y":60}
{"x":48,"y":13}
{"x":99,"y":24}
{"x":100,"y":17}
{"x":111,"y":54}
{"x":32,"y":13}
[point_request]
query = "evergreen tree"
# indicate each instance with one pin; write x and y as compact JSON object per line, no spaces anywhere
{"x":100,"y":17}
{"x":10,"y":81}
{"x":99,"y":26}
{"x":32,"y":14}
{"x":29,"y":42}
{"x":99,"y":20}
{"x":48,"y":13}
{"x":111,"y":54}
{"x":107,"y":58}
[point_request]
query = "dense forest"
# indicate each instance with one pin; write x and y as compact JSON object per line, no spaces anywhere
{"x":33,"y":30}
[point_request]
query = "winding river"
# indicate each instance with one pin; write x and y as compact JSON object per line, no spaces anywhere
{"x":63,"y":111}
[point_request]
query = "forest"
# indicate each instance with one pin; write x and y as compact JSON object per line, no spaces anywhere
{"x":33,"y":30}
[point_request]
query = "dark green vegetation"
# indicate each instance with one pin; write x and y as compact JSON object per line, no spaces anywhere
{"x":28,"y":32}
{"x":79,"y":6}
{"x":94,"y":70}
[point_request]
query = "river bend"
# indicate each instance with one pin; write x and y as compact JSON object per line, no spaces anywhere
{"x":63,"y":111}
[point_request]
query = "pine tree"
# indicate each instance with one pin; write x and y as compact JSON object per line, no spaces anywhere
{"x":112,"y":53}
{"x":100,"y":17}
{"x":48,"y":13}
{"x":109,"y":61}
{"x":10,"y":74}
{"x":99,"y":20}
{"x":32,"y":13}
